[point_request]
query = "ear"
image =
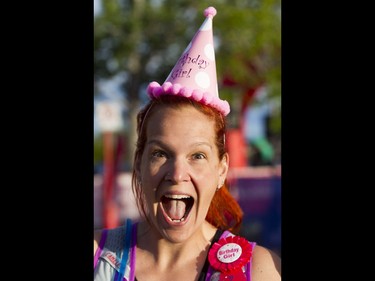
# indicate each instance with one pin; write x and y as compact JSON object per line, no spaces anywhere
{"x":224,"y":166}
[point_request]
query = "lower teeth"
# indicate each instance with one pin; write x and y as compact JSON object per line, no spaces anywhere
{"x":174,"y":220}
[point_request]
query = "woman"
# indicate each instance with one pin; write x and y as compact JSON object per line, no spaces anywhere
{"x":180,"y":167}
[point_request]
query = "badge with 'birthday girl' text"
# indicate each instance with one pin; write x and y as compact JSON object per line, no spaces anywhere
{"x":229,"y":255}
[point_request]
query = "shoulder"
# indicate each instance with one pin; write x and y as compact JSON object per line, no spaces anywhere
{"x":266,"y":265}
{"x":97,"y":237}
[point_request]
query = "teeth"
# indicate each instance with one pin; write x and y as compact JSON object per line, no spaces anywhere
{"x":177,"y":196}
{"x":180,"y":220}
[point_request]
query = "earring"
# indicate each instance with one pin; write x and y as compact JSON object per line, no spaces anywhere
{"x":220,"y":185}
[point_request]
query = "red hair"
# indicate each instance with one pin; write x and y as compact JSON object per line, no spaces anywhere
{"x":224,"y":211}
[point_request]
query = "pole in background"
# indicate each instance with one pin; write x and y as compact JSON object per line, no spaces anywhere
{"x":110,"y":122}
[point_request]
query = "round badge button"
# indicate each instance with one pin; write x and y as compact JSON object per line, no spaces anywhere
{"x":229,"y":252}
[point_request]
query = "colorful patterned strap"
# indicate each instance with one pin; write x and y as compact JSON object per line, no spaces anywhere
{"x":125,"y":253}
{"x":100,"y":247}
{"x":132,"y":252}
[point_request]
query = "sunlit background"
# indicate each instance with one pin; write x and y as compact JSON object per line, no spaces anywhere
{"x":136,"y":42}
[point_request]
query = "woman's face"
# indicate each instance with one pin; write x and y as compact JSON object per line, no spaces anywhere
{"x":180,"y":170}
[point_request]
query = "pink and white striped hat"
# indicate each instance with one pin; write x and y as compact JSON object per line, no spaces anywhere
{"x":194,"y":75}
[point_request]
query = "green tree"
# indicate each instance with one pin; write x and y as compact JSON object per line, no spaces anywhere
{"x":142,"y":40}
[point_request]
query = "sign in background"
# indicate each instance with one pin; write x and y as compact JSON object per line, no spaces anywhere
{"x":258,"y":191}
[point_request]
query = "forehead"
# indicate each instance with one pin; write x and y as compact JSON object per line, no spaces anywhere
{"x":183,"y":122}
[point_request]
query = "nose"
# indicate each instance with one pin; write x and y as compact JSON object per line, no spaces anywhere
{"x":178,"y":171}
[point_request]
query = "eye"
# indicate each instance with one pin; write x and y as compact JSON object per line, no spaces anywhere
{"x":158,"y":154}
{"x":199,"y":156}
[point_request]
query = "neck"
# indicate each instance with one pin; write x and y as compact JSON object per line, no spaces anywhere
{"x":166,"y":253}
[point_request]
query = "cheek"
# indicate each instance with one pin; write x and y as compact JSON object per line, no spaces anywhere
{"x":207,"y":173}
{"x":207,"y":180}
{"x":207,"y":183}
{"x":147,"y":168}
{"x":150,"y":177}
{"x":151,"y":172}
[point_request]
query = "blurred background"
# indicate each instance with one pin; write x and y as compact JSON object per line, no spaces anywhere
{"x":139,"y":41}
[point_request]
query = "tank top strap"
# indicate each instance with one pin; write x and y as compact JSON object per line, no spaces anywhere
{"x":132,"y":252}
{"x":248,"y":265}
{"x":125,"y":252}
{"x":100,"y":246}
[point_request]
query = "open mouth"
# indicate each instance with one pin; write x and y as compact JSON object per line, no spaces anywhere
{"x":177,"y":207}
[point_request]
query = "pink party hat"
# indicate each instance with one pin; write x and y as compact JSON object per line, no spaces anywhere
{"x":194,"y":75}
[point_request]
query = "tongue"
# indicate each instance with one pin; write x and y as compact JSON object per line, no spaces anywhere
{"x":175,"y":208}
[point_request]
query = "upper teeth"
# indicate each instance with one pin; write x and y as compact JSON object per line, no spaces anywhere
{"x":177,"y":196}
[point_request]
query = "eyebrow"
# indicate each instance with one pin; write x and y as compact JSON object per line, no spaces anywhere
{"x":157,"y":142}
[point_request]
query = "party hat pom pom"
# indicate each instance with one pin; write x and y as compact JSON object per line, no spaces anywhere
{"x":151,"y":88}
{"x":197,"y":94}
{"x":167,"y":87}
{"x":176,"y":89}
{"x":186,"y":92}
{"x":210,"y":12}
{"x":156,"y":92}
